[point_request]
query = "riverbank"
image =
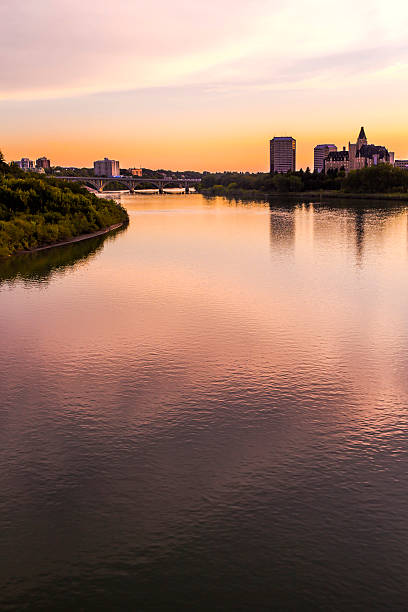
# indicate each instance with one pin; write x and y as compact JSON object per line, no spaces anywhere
{"x":79,"y":238}
{"x":37,"y":214}
{"x":311,"y":196}
{"x":342,"y":195}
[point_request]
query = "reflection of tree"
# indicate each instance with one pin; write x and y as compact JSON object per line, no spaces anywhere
{"x":43,"y":265}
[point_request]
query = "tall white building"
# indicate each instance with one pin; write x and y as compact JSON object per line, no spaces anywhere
{"x":283,"y":154}
{"x":321,"y":152}
{"x":106,"y":167}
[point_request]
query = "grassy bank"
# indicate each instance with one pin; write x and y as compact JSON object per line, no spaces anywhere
{"x":36,"y":212}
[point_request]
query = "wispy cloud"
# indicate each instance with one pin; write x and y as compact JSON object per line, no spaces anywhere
{"x":214,"y":70}
{"x":74,"y":48}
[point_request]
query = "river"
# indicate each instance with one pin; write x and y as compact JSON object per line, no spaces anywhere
{"x":208,"y":410}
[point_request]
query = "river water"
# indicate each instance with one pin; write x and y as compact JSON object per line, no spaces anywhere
{"x":208,"y":411}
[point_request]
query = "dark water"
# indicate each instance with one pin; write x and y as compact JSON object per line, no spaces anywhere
{"x":208,"y":411}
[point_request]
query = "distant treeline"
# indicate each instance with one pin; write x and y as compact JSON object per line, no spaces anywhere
{"x":147,"y":173}
{"x":377,"y":179}
{"x":220,"y":182}
{"x":37,"y":211}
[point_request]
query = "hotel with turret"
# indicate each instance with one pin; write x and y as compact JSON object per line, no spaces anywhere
{"x":359,"y":155}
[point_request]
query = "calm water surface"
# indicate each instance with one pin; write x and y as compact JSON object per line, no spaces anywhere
{"x":208,"y":411}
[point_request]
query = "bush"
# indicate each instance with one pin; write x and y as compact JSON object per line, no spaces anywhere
{"x":37,"y":211}
{"x":377,"y":179}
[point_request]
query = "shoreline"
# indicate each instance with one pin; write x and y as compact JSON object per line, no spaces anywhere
{"x":401,"y":197}
{"x":79,"y":238}
{"x":317,"y":196}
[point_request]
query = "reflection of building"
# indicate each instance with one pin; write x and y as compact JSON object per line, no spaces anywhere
{"x":360,"y":155}
{"x":43,"y":162}
{"x":320,"y":154}
{"x":401,"y":163}
{"x":136,"y":171}
{"x":283,"y":154}
{"x":106,"y":167}
{"x":281,"y":228}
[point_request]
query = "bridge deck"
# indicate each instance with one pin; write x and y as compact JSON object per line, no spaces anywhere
{"x":99,"y":182}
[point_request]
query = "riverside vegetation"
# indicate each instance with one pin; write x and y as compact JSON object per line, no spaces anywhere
{"x":381,"y":179}
{"x":37,"y":211}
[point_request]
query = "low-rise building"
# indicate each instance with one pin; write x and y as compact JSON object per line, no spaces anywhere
{"x":337,"y":160}
{"x":363,"y":155}
{"x":401,"y":163}
{"x":106,"y":167}
{"x":360,"y":155}
{"x":136,"y":171}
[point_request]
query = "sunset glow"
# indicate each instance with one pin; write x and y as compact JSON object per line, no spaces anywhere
{"x":199,"y":86}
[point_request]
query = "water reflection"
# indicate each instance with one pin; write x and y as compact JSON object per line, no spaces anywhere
{"x":216,"y":405}
{"x":42,"y":266}
{"x":282,"y":227}
{"x":303,"y":228}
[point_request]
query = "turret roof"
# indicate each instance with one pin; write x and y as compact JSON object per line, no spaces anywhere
{"x":362,"y":134}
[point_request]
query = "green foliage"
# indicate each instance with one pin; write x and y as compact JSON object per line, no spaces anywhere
{"x":287,"y":182}
{"x":221,"y":183}
{"x":37,"y":211}
{"x":377,"y":179}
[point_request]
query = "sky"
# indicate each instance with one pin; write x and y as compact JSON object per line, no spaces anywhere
{"x":199,"y":85}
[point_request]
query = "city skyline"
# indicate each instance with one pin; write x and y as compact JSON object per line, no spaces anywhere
{"x":280,"y":159}
{"x":194,"y":92}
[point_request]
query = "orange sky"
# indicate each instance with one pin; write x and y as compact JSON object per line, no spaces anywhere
{"x":197,"y":86}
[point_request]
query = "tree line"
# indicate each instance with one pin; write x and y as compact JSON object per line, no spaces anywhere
{"x":37,"y":211}
{"x":375,"y":179}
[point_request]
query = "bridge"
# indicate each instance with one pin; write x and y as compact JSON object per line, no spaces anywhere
{"x":100,"y":182}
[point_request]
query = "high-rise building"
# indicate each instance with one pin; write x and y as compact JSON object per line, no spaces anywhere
{"x":106,"y":167}
{"x":321,"y":152}
{"x":283,"y":154}
{"x":43,"y":162}
{"x":25,"y":164}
